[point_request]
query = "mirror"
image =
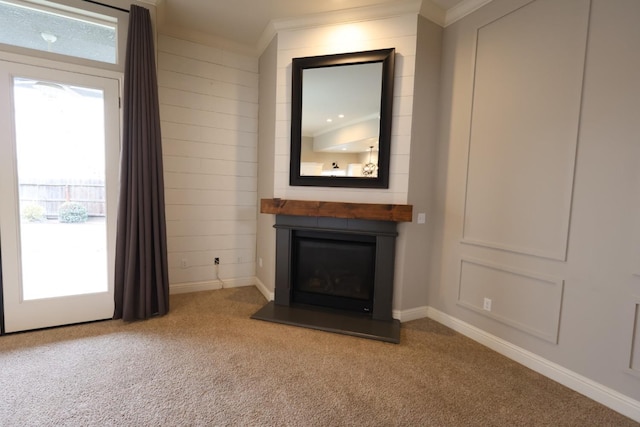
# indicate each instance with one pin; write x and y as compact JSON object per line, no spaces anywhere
{"x":341,"y":119}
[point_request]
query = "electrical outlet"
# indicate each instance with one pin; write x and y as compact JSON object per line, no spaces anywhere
{"x":422,"y":218}
{"x":487,"y":304}
{"x":183,"y":263}
{"x":260,"y":262}
{"x":216,"y":261}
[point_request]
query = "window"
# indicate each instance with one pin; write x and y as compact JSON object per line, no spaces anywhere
{"x":60,"y":30}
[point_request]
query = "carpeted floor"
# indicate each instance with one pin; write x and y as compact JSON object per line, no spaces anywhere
{"x":207,"y":364}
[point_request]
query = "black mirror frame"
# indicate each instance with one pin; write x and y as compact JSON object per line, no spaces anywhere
{"x":387,"y":57}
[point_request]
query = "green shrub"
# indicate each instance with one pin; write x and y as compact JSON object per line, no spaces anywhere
{"x":32,"y":213}
{"x":72,"y":212}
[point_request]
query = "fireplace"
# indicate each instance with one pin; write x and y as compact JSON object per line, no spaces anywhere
{"x":334,"y":270}
{"x":334,"y":274}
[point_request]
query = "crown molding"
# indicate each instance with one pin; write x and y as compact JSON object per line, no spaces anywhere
{"x":433,"y":12}
{"x":463,"y":9}
{"x":356,"y":14}
{"x":426,"y":8}
{"x":265,"y":38}
{"x":205,"y":39}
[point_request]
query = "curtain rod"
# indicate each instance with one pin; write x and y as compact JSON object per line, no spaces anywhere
{"x":107,"y":5}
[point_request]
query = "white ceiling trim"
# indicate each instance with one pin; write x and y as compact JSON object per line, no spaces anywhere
{"x":356,"y":14}
{"x":433,"y":12}
{"x":206,"y":39}
{"x":426,"y":8}
{"x":463,"y":9}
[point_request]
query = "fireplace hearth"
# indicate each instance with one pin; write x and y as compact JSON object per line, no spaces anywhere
{"x":335,"y":274}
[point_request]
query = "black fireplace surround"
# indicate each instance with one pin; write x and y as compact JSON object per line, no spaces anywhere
{"x":335,"y":274}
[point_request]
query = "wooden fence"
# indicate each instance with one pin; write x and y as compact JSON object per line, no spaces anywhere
{"x":50,"y":194}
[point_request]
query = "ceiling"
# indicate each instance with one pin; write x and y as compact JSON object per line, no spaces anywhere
{"x":244,"y":21}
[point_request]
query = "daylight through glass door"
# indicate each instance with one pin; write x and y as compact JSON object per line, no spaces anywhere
{"x":60,"y":162}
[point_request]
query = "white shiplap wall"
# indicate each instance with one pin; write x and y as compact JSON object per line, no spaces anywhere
{"x":209,"y":115}
{"x":398,"y":32}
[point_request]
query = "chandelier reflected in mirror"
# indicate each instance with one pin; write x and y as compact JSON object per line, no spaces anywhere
{"x":369,"y":168}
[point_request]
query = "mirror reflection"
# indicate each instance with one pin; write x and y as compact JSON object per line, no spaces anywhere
{"x":341,"y":120}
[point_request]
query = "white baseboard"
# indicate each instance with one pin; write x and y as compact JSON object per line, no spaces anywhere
{"x":269,"y":295}
{"x":411,"y":314}
{"x":210,"y":285}
{"x":596,"y":391}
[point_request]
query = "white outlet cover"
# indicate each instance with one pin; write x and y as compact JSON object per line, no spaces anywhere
{"x":422,"y":218}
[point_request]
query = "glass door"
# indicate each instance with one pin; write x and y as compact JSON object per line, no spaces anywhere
{"x":59,"y":175}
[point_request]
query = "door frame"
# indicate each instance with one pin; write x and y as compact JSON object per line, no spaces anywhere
{"x":113,"y":123}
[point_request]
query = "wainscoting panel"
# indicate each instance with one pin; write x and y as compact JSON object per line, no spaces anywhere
{"x":525,"y":117}
{"x":528,"y":302}
{"x":634,"y":360}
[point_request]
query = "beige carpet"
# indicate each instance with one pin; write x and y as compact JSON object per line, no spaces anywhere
{"x":208,"y":364}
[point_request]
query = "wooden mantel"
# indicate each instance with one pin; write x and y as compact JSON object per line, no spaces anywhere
{"x":369,"y":211}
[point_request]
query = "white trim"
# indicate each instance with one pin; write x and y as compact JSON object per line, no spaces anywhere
{"x":596,"y":391}
{"x":265,"y":38}
{"x":411,"y":314}
{"x":355,"y":14}
{"x":23,"y":314}
{"x":556,"y":285}
{"x":463,"y":9}
{"x":210,"y":285}
{"x":185,"y":288}
{"x":427,"y":9}
{"x":61,"y":66}
{"x":433,"y":12}
{"x":559,"y":256}
{"x":269,"y":295}
{"x":76,"y":9}
{"x":206,"y":39}
{"x":348,"y":15}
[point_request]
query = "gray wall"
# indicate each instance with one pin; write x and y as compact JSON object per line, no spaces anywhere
{"x":537,"y":186}
{"x":266,"y":240}
{"x":413,"y":272}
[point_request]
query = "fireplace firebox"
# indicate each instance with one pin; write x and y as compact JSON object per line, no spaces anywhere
{"x":334,"y":270}
{"x":335,"y":274}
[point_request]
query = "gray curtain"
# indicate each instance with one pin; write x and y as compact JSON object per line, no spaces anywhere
{"x":141,"y":277}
